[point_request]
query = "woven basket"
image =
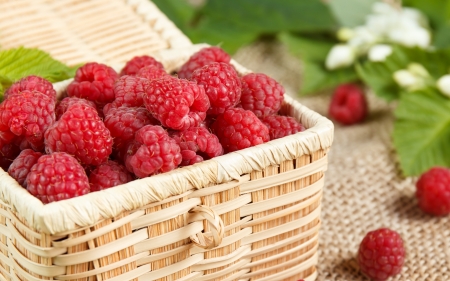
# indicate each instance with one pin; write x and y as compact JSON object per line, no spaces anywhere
{"x":253,"y":214}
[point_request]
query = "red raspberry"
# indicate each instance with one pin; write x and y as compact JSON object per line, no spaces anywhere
{"x":433,"y":191}
{"x":80,"y":132}
{"x":381,"y":254}
{"x":109,"y":174}
{"x":22,"y":165}
{"x":197,"y":144}
{"x":152,"y":72}
{"x":348,"y":104}
{"x":152,"y":152}
{"x":32,"y":83}
{"x":238,"y":128}
{"x":56,"y":177}
{"x":135,"y":64}
{"x":203,"y":57}
{"x":281,"y":126}
{"x":177,"y":103}
{"x":28,"y":115}
{"x":261,"y":94}
{"x":95,"y":82}
{"x":222,"y":85}
{"x":123,"y":122}
{"x":62,"y":106}
{"x":130,"y":90}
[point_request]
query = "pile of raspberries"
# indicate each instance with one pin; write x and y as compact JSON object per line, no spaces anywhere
{"x":112,"y":128}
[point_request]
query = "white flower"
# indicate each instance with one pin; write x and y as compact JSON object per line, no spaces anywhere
{"x":344,"y":34}
{"x":415,"y":15}
{"x":383,"y":8}
{"x":418,"y":70}
{"x":405,"y":79}
{"x":379,"y":52}
{"x":411,"y":37}
{"x":340,"y":56}
{"x":443,"y":84}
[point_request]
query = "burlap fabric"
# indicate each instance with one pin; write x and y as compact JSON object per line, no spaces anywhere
{"x":364,"y":189}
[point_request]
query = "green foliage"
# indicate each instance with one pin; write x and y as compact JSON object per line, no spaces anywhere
{"x":21,"y":62}
{"x":351,"y":13}
{"x":422,"y":131}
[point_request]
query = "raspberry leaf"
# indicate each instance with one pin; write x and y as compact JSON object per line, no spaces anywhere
{"x":422,"y":131}
{"x":21,"y":62}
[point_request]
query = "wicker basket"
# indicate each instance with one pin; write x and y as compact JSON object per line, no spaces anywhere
{"x":253,"y":214}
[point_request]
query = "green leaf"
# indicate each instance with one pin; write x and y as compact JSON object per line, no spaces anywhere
{"x":438,"y":11}
{"x":229,"y":37}
{"x":379,"y":75}
{"x":179,"y":12}
{"x":441,"y":39}
{"x":351,"y":13}
{"x":268,"y":16}
{"x":307,"y":48}
{"x":316,"y":78}
{"x":422,"y":131}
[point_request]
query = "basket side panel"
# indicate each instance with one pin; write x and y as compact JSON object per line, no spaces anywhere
{"x":4,"y":266}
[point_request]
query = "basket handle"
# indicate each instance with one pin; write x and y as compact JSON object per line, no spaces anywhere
{"x":203,"y":212}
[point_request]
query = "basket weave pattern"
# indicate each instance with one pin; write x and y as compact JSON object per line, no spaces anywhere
{"x":253,"y":214}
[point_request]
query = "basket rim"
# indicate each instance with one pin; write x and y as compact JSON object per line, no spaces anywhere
{"x":78,"y":212}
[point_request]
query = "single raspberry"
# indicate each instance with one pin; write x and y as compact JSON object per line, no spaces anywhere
{"x":66,"y":102}
{"x":80,"y":132}
{"x":261,"y":94}
{"x":109,"y":174}
{"x":152,"y":152}
{"x":32,"y":83}
{"x":152,"y":72}
{"x":381,"y":254}
{"x":135,"y":64}
{"x":56,"y":177}
{"x":177,"y":103}
{"x":281,"y":126}
{"x":222,"y":85}
{"x":130,"y":90}
{"x":123,"y":122}
{"x":197,"y":144}
{"x":95,"y":82}
{"x":433,"y":191}
{"x":28,"y":114}
{"x":22,"y":165}
{"x":203,"y":57}
{"x":238,"y":128}
{"x":348,"y":104}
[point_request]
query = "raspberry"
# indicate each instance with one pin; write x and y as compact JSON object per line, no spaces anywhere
{"x":178,"y":104}
{"x":62,"y":106}
{"x":56,"y":177}
{"x":130,"y":90}
{"x":135,"y":64}
{"x":22,"y":165}
{"x":381,"y":254}
{"x":8,"y":152}
{"x":124,"y":122}
{"x":203,"y":57}
{"x":433,"y":191}
{"x":80,"y":132}
{"x":32,"y":83}
{"x":152,"y":72}
{"x":197,"y":144}
{"x":28,"y":115}
{"x":222,"y":85}
{"x":152,"y":152}
{"x":109,"y":174}
{"x":238,"y":128}
{"x":95,"y":82}
{"x":261,"y":94}
{"x":348,"y":104}
{"x":281,"y":126}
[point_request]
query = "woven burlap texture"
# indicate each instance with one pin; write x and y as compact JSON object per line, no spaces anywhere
{"x":364,"y":189}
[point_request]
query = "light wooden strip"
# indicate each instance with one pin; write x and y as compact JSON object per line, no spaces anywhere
{"x":169,"y":238}
{"x":102,"y":251}
{"x":165,"y":214}
{"x":282,"y":228}
{"x":232,"y":204}
{"x":22,"y":226}
{"x":226,"y":240}
{"x":23,"y":273}
{"x":167,"y":200}
{"x":225,"y":271}
{"x":222,"y":260}
{"x":219,"y":188}
{"x":163,"y":255}
{"x":168,"y":270}
{"x":4,"y":230}
{"x":289,"y":176}
{"x":3,"y":212}
{"x":236,"y":275}
{"x":282,"y":200}
{"x":191,"y":277}
{"x":7,"y":260}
